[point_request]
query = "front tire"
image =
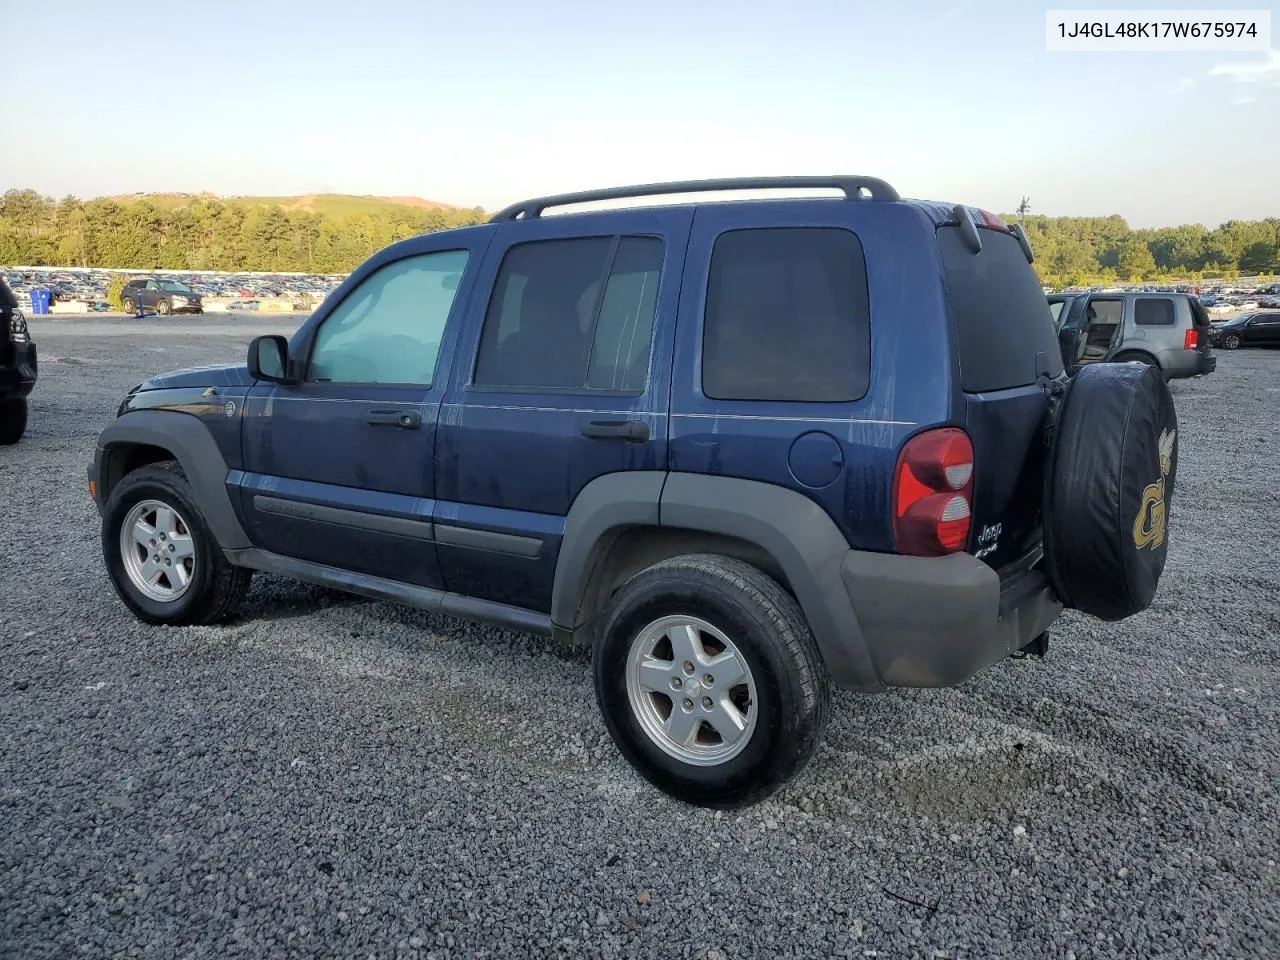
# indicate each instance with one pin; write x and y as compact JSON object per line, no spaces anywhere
{"x":13,"y":421}
{"x":1230,"y":342}
{"x":163,"y":308}
{"x":710,"y":681}
{"x":161,"y":555}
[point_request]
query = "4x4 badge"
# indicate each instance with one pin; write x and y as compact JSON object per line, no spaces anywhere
{"x":1149,"y":524}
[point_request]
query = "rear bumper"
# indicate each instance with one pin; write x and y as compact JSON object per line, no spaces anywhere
{"x":17,"y":379}
{"x":1179,"y":364}
{"x":936,"y":621}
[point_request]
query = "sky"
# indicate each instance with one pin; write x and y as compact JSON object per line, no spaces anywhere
{"x":484,"y":102}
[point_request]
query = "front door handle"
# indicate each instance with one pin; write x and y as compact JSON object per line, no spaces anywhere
{"x":404,"y":419}
{"x":633,"y":431}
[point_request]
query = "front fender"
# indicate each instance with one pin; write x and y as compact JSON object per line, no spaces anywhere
{"x":189,"y":441}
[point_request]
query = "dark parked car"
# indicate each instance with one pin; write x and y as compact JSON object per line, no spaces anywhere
{"x":160,"y":294}
{"x":18,"y":367}
{"x":743,"y":451}
{"x":1169,"y":331}
{"x":1247,"y":330}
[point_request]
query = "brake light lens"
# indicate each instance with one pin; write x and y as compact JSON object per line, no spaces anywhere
{"x":1191,"y":339}
{"x":992,"y":221}
{"x":933,"y":493}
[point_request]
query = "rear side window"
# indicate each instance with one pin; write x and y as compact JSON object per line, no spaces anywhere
{"x":1150,"y":312}
{"x":572,"y":315}
{"x":787,"y":316}
{"x":1004,"y":330}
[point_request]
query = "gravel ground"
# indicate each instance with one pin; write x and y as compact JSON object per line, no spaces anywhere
{"x":332,"y":776}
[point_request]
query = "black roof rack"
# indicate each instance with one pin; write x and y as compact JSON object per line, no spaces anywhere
{"x":853,"y":187}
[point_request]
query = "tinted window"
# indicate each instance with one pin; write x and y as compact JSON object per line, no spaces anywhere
{"x":1004,"y":330}
{"x":572,"y":315}
{"x":624,"y":331}
{"x":152,"y":285}
{"x":1055,"y":310}
{"x":1198,"y":313}
{"x":388,"y":329}
{"x":787,"y":316}
{"x":1149,"y":312}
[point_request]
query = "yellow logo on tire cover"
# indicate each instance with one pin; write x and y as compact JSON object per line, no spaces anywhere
{"x":1149,"y":524}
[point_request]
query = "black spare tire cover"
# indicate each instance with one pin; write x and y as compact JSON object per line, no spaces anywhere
{"x":1109,"y":489}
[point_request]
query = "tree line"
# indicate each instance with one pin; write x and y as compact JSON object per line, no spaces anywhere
{"x":213,"y":234}
{"x":205,"y":233}
{"x":1082,"y":250}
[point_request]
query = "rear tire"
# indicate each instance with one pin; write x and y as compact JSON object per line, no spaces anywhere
{"x":158,"y":499}
{"x":1145,"y":359}
{"x":128,"y":306}
{"x":666,"y":633}
{"x":13,"y":421}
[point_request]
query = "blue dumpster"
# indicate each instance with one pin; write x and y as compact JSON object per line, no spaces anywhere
{"x":40,"y":301}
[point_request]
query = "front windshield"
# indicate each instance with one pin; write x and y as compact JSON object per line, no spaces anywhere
{"x":174,"y":285}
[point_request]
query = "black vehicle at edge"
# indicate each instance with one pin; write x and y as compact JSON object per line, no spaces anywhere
{"x":18,"y":367}
{"x":1261,"y":329}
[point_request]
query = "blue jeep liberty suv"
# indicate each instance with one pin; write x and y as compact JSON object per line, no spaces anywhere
{"x":742,"y":449}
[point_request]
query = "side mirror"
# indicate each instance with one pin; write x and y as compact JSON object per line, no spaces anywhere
{"x":269,"y":359}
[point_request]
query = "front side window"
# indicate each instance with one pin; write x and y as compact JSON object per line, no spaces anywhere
{"x":787,"y":316}
{"x":572,"y":315}
{"x":175,"y":286}
{"x":389,"y":328}
{"x":152,"y":285}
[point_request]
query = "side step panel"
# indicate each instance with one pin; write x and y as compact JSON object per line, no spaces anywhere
{"x":379,"y":588}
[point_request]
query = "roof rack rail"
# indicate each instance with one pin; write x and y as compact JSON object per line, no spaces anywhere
{"x":853,"y":187}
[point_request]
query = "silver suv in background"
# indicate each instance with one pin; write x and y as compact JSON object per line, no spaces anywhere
{"x":1166,"y":330}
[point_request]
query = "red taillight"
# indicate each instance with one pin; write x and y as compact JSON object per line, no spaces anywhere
{"x":992,"y":221}
{"x":1191,"y":339}
{"x":933,"y":493}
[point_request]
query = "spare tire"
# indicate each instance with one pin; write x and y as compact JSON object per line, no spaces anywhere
{"x":1113,"y":460}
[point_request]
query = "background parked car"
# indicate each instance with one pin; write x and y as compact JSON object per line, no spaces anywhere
{"x":1165,"y":330}
{"x":162,"y":295}
{"x":1247,"y":330}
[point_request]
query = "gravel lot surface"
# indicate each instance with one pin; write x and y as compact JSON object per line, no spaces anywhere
{"x":333,"y":776}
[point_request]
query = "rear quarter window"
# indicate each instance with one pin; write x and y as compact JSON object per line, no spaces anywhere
{"x":1005,"y":332}
{"x":1149,"y":312}
{"x":787,"y":316}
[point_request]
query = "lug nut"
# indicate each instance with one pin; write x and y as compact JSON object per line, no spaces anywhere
{"x":172,"y":548}
{"x":706,"y":703}
{"x":676,"y":683}
{"x":708,"y":681}
{"x":168,"y":562}
{"x":688,"y":668}
{"x":688,"y":705}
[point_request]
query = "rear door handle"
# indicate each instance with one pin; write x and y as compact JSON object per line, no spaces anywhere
{"x":633,"y":431}
{"x":404,"y":419}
